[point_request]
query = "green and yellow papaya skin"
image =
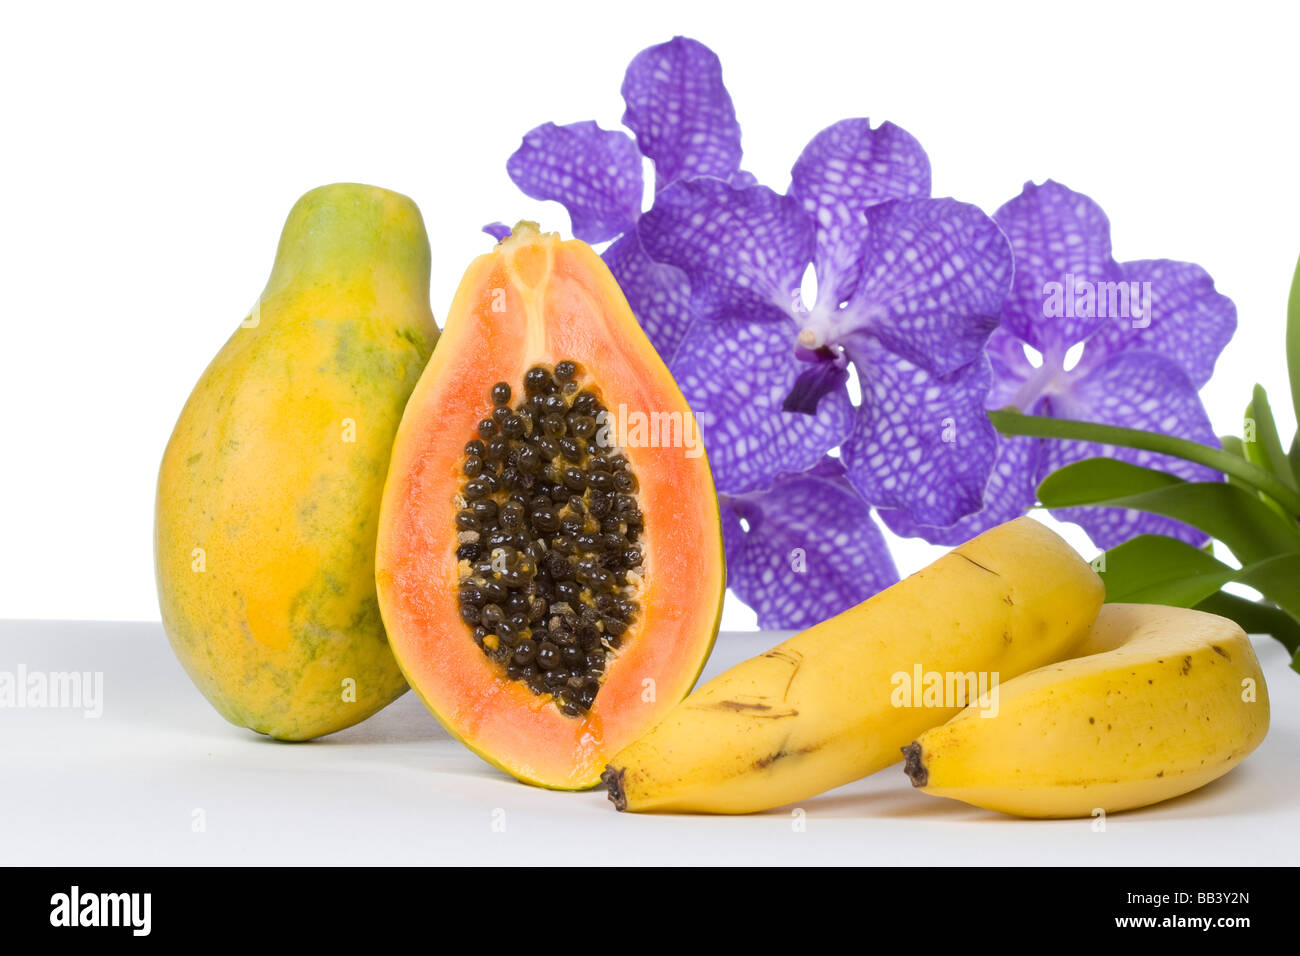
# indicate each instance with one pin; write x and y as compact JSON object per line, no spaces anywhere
{"x":269,"y":490}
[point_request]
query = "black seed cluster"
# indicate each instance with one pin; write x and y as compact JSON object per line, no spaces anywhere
{"x":547,"y":529}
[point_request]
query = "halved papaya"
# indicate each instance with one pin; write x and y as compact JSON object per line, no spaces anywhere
{"x":549,"y":563}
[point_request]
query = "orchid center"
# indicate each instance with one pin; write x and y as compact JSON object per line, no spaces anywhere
{"x":1050,"y":377}
{"x":828,"y":324}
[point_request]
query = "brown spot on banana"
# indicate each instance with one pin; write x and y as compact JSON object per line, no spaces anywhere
{"x":740,"y":705}
{"x":758,"y":711}
{"x":764,"y":762}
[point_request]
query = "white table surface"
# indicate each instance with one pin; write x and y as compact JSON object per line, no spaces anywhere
{"x":124,"y":789}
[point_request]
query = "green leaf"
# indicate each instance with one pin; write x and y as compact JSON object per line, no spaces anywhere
{"x":1240,"y":520}
{"x":1278,"y":579}
{"x":1293,"y":340}
{"x":1234,"y":446}
{"x":1266,"y":449}
{"x":1012,"y":422}
{"x":1255,"y":450}
{"x":1256,"y":617}
{"x":1154,"y":569}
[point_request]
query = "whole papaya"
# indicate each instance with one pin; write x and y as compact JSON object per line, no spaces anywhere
{"x":269,"y":490}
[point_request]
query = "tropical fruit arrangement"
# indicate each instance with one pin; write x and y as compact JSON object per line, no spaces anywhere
{"x":517,"y":518}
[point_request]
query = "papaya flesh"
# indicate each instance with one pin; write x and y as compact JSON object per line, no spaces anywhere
{"x":550,"y":590}
{"x":269,"y":490}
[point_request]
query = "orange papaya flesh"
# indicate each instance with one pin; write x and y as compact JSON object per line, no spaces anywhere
{"x":536,"y":301}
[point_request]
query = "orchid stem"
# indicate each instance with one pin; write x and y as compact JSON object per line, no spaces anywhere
{"x":1011,"y":422}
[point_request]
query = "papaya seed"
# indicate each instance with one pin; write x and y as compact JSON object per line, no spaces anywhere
{"x":548,"y":521}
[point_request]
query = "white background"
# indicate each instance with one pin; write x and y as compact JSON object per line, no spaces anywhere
{"x":150,"y":154}
{"x":125,"y":790}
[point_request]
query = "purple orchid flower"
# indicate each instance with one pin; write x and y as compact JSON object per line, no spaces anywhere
{"x":1151,"y":333}
{"x":908,"y":293}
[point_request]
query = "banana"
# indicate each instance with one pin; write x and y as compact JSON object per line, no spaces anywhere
{"x":1159,"y":701}
{"x":829,"y":705}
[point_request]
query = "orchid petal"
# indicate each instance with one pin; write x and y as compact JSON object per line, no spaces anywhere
{"x":808,"y":550}
{"x":658,"y":293}
{"x":681,"y":112}
{"x":843,"y":170}
{"x":1011,"y":368}
{"x":1009,"y":494}
{"x":595,"y":173}
{"x":743,"y":250}
{"x":735,"y":375}
{"x":1061,"y":241}
{"x":1135,"y":390}
{"x":1172,"y":309}
{"x":921,"y":443}
{"x":934,"y":275}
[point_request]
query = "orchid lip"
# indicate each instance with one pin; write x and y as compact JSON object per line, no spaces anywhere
{"x":825,"y":372}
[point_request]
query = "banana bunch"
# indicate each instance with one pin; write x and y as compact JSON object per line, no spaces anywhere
{"x":841,"y":699}
{"x":963,"y":668}
{"x":1157,"y":702}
